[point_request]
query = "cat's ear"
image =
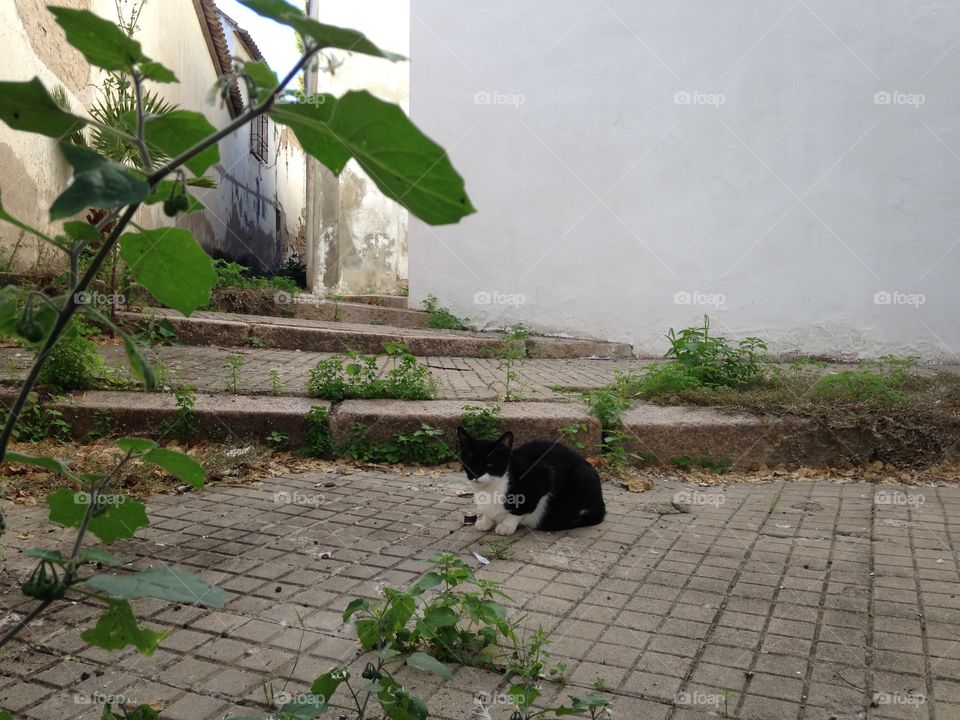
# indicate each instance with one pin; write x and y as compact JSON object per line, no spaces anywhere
{"x":463,"y":438}
{"x":506,"y":440}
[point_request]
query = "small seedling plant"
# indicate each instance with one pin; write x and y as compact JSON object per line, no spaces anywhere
{"x":441,"y":318}
{"x":482,"y":422}
{"x":509,"y":354}
{"x":91,"y":224}
{"x":234,"y":366}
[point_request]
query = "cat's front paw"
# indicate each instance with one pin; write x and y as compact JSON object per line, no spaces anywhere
{"x":508,"y":526}
{"x":484,"y":523}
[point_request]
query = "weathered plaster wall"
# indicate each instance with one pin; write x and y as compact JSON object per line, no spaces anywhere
{"x":31,"y":169}
{"x":639,"y":164}
{"x":291,"y":194}
{"x":241,"y":217}
{"x":364,"y":247}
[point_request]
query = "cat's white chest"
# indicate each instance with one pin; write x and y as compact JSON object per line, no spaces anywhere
{"x":489,"y":495}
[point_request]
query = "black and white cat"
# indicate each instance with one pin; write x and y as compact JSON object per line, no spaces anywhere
{"x":542,"y":485}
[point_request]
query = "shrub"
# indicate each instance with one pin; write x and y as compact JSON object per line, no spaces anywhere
{"x":355,"y":375}
{"x":73,"y":364}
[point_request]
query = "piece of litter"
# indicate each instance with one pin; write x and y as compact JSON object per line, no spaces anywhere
{"x":464,"y":493}
{"x":599,"y":357}
{"x":784,"y":525}
{"x":469,"y":518}
{"x":481,"y":558}
{"x":323,"y":556}
{"x":235,"y":452}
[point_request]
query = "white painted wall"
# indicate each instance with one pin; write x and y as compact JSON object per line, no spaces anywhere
{"x":626,"y":157}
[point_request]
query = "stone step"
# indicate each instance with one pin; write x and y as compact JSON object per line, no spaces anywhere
{"x":663,"y":433}
{"x":222,"y":418}
{"x":236,"y":330}
{"x":383,"y":419}
{"x":659,"y":434}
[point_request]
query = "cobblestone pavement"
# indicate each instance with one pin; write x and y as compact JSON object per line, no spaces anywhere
{"x":779,"y":601}
{"x":460,"y":378}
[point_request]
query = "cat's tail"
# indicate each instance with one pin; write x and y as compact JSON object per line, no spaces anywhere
{"x":592,"y":516}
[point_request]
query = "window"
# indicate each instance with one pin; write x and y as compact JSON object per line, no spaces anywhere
{"x":260,"y":138}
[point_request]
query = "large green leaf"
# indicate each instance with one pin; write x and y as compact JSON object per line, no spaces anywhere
{"x":102,"y":43}
{"x":176,"y":463}
{"x":97,"y":182}
{"x":120,"y":517}
{"x":164,"y":582}
{"x":174,"y":132}
{"x":403,"y":162}
{"x":137,"y":446}
{"x":263,"y":77}
{"x":326,"y":36}
{"x":310,"y":122}
{"x":428,"y":663}
{"x":28,"y":106}
{"x":437,"y":617}
{"x":47,"y":463}
{"x":118,"y":628}
{"x":171,"y":265}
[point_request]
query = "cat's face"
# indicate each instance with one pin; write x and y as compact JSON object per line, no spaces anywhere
{"x":481,"y":457}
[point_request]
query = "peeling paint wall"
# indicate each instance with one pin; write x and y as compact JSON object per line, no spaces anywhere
{"x":291,"y":194}
{"x":362,"y":235}
{"x":254,"y":208}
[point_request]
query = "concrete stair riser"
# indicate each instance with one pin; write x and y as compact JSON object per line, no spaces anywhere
{"x":221,"y":418}
{"x":744,"y":440}
{"x":527,"y":420}
{"x":236,"y":331}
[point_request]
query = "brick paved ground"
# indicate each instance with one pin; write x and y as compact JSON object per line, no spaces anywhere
{"x":802,"y":600}
{"x":460,"y":378}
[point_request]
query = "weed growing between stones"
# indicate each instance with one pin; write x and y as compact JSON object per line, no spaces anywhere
{"x":511,"y":353}
{"x":355,"y":375}
{"x":319,"y":438}
{"x":441,"y":318}
{"x":448,"y":616}
{"x":424,"y":446}
{"x":183,"y":424}
{"x":234,"y":367}
{"x":73,"y":363}
{"x":482,"y":422}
